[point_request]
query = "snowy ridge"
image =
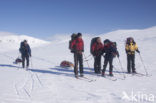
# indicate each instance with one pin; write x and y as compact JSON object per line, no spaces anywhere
{"x":10,"y":41}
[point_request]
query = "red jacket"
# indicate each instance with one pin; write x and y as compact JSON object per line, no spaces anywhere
{"x":97,"y":48}
{"x":77,"y":45}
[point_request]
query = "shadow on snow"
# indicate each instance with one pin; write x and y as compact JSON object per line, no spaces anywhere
{"x":57,"y":70}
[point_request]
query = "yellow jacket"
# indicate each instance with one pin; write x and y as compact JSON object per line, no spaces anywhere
{"x":131,"y":48}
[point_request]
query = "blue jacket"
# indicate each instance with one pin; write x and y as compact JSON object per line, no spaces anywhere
{"x":110,"y":52}
{"x":25,"y":50}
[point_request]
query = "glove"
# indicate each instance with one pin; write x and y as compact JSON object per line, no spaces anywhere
{"x":127,"y":51}
{"x":118,"y":55}
{"x":138,"y":51}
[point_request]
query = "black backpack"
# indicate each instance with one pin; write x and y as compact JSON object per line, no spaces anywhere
{"x":73,"y":37}
{"x":92,"y":42}
{"x":114,"y":44}
{"x":21,"y":46}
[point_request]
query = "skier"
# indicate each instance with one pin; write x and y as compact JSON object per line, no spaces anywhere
{"x":97,"y":49}
{"x":25,"y":52}
{"x":78,"y":46}
{"x":130,"y":48}
{"x":110,"y":51}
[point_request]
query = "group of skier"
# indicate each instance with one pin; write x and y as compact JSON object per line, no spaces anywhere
{"x":108,"y":49}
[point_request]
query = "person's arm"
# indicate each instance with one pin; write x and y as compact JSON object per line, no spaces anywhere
{"x":83,"y":46}
{"x":115,"y":51}
{"x":93,"y":48}
{"x":103,"y":50}
{"x":29,"y":50}
{"x":136,"y":48}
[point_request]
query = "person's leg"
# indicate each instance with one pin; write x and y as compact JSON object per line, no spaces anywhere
{"x":75,"y":64}
{"x":81,"y":64}
{"x":99,"y":64}
{"x":95,"y":64}
{"x":111,"y":66}
{"x":23,"y":61}
{"x":104,"y":66}
{"x":128,"y":64}
{"x":27,"y":59}
{"x":133,"y":64}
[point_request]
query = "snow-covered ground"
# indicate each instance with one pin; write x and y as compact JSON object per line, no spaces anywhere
{"x":46,"y":82}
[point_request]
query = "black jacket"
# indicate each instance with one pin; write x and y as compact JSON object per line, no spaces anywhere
{"x":25,"y":50}
{"x":110,"y":51}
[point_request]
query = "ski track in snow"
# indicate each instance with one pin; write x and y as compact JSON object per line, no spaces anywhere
{"x":46,"y":82}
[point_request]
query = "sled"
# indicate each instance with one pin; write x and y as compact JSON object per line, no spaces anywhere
{"x":66,"y":64}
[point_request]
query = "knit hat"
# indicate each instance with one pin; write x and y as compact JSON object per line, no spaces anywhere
{"x":79,"y":34}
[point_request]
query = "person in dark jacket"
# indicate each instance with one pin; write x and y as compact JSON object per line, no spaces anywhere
{"x":110,"y":52}
{"x":97,"y":49}
{"x":78,"y":47}
{"x":25,"y":52}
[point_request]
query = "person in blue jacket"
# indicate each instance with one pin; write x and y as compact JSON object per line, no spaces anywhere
{"x":110,"y":51}
{"x":25,"y":51}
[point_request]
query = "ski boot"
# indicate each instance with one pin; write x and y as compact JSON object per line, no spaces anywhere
{"x":111,"y":74}
{"x":76,"y":76}
{"x":103,"y":74}
{"x":81,"y":75}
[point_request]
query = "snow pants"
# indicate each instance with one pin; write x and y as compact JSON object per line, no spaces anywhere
{"x":130,"y":63}
{"x":23,"y":60}
{"x":78,"y":59}
{"x":97,"y":64}
{"x":106,"y":61}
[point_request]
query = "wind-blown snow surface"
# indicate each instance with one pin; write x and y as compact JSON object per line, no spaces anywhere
{"x":45,"y":82}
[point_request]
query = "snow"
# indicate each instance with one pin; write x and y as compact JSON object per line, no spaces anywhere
{"x":46,"y":82}
{"x":9,"y":41}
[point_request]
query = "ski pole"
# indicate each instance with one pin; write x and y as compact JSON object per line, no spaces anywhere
{"x":88,"y":56}
{"x":86,"y":61}
{"x":31,"y":62}
{"x":143,"y":64}
{"x":121,"y":68}
{"x":116,"y":69}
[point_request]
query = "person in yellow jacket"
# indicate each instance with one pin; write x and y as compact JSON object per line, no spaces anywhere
{"x":130,"y":48}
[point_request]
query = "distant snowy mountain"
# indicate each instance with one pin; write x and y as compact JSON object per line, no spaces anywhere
{"x":10,"y":41}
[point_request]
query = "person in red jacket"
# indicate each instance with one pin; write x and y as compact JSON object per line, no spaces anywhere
{"x":97,"y":48}
{"x":78,"y":47}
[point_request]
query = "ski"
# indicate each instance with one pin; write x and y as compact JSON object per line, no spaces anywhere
{"x":89,"y":79}
{"x":110,"y":78}
{"x":140,"y":74}
{"x":85,"y":79}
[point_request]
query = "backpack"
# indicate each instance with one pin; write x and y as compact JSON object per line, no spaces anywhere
{"x":21,"y":46}
{"x":128,"y":40}
{"x":92,"y":42}
{"x":114,"y":44}
{"x":73,"y":37}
